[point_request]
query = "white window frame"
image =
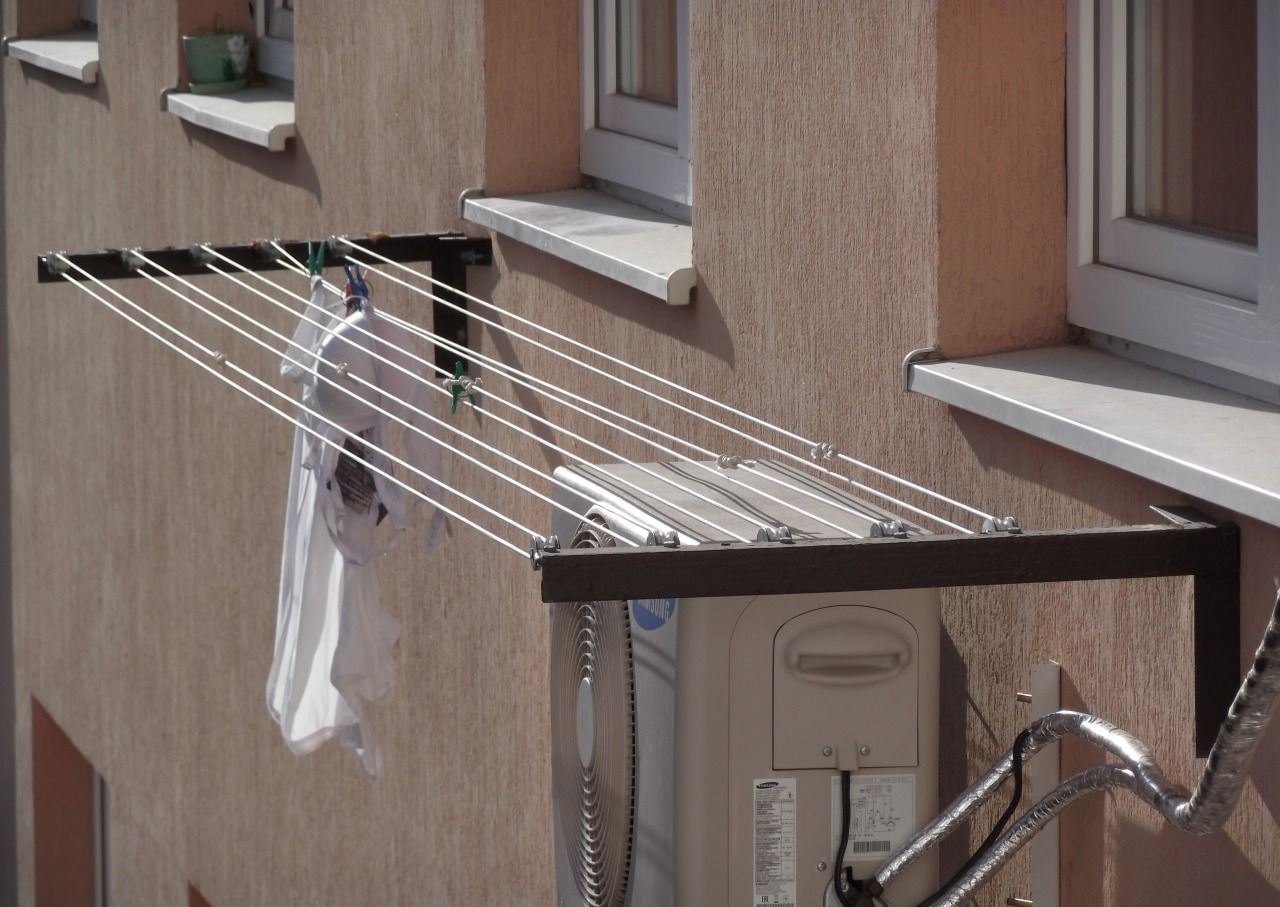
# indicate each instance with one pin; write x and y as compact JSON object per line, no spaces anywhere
{"x":629,"y":141}
{"x":1195,"y":296}
{"x":275,"y":38}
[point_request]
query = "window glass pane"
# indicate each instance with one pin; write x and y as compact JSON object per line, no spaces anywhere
{"x":1193,"y":115}
{"x":647,"y":49}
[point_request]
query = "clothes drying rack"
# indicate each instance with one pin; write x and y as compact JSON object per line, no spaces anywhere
{"x":1184,"y":543}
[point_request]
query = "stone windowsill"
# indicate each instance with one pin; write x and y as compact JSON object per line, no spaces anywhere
{"x":262,"y":115}
{"x":74,"y":54}
{"x":635,"y":246}
{"x":1208,"y":443}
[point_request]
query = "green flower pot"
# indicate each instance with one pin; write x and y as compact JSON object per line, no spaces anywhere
{"x":217,"y":62}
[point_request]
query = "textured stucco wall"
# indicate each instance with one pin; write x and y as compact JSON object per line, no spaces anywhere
{"x":147,"y":500}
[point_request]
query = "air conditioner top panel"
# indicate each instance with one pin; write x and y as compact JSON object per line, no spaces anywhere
{"x":623,"y":495}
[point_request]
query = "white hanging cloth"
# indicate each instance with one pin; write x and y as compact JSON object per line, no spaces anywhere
{"x":333,"y":647}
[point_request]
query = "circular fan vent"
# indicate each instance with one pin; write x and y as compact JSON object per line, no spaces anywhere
{"x":593,"y":739}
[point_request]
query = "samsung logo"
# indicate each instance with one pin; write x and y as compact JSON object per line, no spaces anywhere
{"x":652,"y":613}
{"x":766,"y":785}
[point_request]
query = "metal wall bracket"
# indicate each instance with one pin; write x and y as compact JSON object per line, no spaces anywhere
{"x":1207,"y":551}
{"x":1044,"y":772}
{"x":450,"y":254}
{"x":917,"y":355}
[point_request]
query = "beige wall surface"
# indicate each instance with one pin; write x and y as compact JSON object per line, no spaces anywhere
{"x":147,"y":500}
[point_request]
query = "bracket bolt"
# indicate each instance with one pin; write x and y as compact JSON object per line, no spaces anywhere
{"x":886,"y":529}
{"x":667,"y":538}
{"x":827,"y":751}
{"x":1008,"y":525}
{"x":822,"y":866}
{"x":864,"y":750}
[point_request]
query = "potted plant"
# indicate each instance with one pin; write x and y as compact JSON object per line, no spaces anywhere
{"x":217,"y":60}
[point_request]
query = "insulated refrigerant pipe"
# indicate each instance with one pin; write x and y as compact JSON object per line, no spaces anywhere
{"x":1205,"y":810}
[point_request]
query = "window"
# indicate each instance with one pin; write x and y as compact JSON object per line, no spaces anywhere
{"x":70,"y":807}
{"x":275,"y":38}
{"x":635,"y":100}
{"x":89,"y":11}
{"x":1174,"y":130}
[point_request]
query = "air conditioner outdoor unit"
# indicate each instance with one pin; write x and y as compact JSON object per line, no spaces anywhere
{"x":697,"y":744}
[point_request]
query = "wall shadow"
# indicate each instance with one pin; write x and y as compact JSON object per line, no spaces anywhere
{"x":701,"y":324}
{"x":293,"y":166}
{"x":1148,"y":862}
{"x":527,"y":399}
{"x":953,"y":704}
{"x":97,"y":92}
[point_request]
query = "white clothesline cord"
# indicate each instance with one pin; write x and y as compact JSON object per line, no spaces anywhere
{"x":533,"y":384}
{"x":223,"y":362}
{"x":511,"y":372}
{"x":486,"y":414}
{"x":506,"y":371}
{"x":666,"y":480}
{"x":371,"y":385}
{"x":928,"y":492}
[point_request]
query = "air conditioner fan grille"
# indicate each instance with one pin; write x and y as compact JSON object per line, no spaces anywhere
{"x":591,"y":644}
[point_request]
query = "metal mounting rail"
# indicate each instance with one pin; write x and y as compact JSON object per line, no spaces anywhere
{"x":449,"y":253}
{"x":1207,"y":551}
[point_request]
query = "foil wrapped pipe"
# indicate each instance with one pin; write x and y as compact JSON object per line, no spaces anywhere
{"x":1041,"y":732}
{"x":1204,"y":811}
{"x":1100,"y":777}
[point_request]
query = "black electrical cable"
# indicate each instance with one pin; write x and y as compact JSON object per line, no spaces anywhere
{"x":863,"y":891}
{"x":998,"y":829}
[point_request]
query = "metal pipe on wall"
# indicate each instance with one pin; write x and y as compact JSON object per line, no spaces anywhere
{"x":1202,"y":812}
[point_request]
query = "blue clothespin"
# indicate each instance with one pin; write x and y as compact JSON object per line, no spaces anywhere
{"x":357,"y":293}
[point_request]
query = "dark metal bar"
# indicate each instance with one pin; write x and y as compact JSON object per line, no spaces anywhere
{"x":1209,"y":552}
{"x":1217,"y":652}
{"x":847,"y":565}
{"x":451,"y":269}
{"x":258,"y":256}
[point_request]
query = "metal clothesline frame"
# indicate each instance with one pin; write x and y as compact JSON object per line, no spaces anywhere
{"x":1188,"y":544}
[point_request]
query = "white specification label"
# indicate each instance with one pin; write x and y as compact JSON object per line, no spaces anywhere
{"x":774,"y":841}
{"x":882,"y":815}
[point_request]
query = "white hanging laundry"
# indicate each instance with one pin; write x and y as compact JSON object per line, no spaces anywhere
{"x":333,"y":639}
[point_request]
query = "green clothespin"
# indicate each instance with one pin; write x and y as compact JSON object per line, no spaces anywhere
{"x":315,"y":259}
{"x":460,"y":384}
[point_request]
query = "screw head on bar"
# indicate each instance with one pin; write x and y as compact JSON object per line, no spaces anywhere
{"x":667,"y":538}
{"x":775,"y":534}
{"x":132,"y":259}
{"x":55,"y":263}
{"x":341,"y":245}
{"x":885,"y":529}
{"x":202,"y":255}
{"x":537,"y":545}
{"x":1007,"y":525}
